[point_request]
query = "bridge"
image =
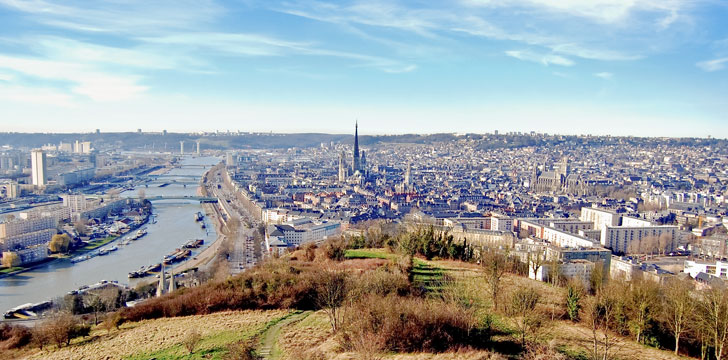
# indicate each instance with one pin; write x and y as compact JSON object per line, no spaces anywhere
{"x":172,"y":181}
{"x":175,"y":176}
{"x":201,"y":199}
{"x":190,"y":166}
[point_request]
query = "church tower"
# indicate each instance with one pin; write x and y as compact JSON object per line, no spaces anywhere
{"x":356,"y":163}
{"x":342,"y":167}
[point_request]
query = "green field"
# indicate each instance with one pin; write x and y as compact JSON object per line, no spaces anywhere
{"x":9,"y":270}
{"x":368,"y":254}
{"x":93,"y":245}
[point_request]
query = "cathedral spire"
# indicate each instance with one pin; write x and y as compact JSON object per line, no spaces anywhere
{"x":356,"y":162}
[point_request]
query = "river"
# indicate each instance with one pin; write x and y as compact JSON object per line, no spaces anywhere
{"x":174,"y":226}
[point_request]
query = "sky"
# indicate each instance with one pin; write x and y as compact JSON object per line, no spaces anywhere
{"x":618,"y":67}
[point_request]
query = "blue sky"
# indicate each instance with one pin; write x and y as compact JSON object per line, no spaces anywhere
{"x":621,"y":67}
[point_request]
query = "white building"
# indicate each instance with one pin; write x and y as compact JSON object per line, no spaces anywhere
{"x":565,"y":239}
{"x":76,"y":203}
{"x":501,"y":223}
{"x":600,"y":217}
{"x":300,"y":234}
{"x":575,"y":269}
{"x":21,"y":226}
{"x":619,"y":238}
{"x":9,"y":190}
{"x":635,"y":222}
{"x":82,"y":147}
{"x":76,"y":177}
{"x":39,"y":167}
{"x":718,"y":268}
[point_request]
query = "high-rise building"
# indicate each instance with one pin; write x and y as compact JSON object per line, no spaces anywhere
{"x":181,"y":147}
{"x":198,"y":147}
{"x":39,"y":167}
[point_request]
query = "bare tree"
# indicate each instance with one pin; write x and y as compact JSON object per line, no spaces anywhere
{"x":713,"y":313}
{"x":536,"y":260}
{"x":600,"y":313}
{"x":332,"y":289}
{"x":642,"y":302}
{"x":494,"y":266}
{"x":522,"y":309}
{"x":678,"y":308}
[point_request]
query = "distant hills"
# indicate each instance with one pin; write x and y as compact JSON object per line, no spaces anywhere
{"x":223,"y":141}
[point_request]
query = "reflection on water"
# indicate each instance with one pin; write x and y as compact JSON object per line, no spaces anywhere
{"x":175,"y":225}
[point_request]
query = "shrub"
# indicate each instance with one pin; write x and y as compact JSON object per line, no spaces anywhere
{"x":242,"y":350}
{"x":63,"y":327}
{"x":408,"y":324}
{"x":191,"y":341}
{"x":274,"y":285}
{"x":334,"y":249}
{"x":14,"y":336}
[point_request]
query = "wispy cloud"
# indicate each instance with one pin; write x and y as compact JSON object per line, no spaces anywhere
{"x":713,"y":65}
{"x":601,"y":11}
{"x":35,"y":95}
{"x":604,"y":75}
{"x":467,"y":19}
{"x":545,"y":59}
{"x":91,"y":83}
{"x":134,"y":16}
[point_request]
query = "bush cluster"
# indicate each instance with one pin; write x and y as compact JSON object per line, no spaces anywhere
{"x":408,"y":324}
{"x":275,"y":285}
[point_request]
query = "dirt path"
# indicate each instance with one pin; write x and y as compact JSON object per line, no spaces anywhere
{"x":267,"y":348}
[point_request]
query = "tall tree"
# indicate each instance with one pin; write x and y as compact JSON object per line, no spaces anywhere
{"x":642,"y":303}
{"x":713,"y":314}
{"x":678,"y":308}
{"x":494,"y":266}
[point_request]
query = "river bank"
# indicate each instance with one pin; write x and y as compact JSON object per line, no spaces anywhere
{"x":174,"y":226}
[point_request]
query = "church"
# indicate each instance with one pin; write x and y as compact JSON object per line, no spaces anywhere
{"x":358,"y":163}
{"x":560,"y":180}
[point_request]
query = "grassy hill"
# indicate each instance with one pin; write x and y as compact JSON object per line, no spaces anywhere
{"x":431,"y":301}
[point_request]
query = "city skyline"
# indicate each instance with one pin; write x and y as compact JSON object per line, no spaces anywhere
{"x":643,"y":68}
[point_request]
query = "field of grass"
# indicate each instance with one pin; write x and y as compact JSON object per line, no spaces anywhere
{"x":369,"y":254}
{"x":162,"y":338}
{"x":93,"y":245}
{"x":9,"y":270}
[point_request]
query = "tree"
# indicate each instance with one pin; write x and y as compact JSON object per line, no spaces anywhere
{"x":41,"y":336}
{"x":713,"y":315}
{"x":61,"y":328}
{"x":332,"y":289}
{"x":10,"y":259}
{"x":112,"y":320}
{"x":191,"y":341}
{"x":574,"y":294}
{"x":535,"y":261}
{"x":59,"y":243}
{"x":642,"y":304}
{"x":678,"y":308}
{"x":522,"y":308}
{"x":80,"y":227}
{"x":494,"y":266}
{"x":101,"y":300}
{"x":600,"y":313}
{"x":596,"y":279}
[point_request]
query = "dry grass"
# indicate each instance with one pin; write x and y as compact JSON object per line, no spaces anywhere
{"x":306,"y":337}
{"x":153,"y":335}
{"x":577,"y":338}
